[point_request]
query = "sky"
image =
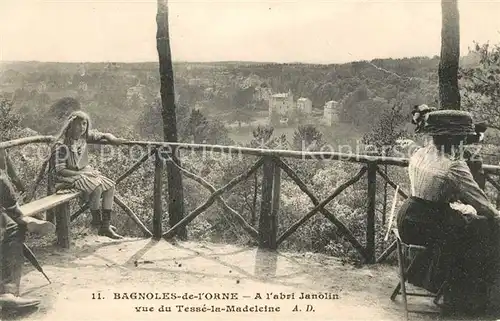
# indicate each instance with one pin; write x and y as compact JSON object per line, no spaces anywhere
{"x":308,"y":31}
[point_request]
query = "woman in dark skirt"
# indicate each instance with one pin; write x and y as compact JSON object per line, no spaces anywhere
{"x":460,"y":246}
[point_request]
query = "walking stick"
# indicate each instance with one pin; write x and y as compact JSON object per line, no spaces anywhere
{"x":31,"y":257}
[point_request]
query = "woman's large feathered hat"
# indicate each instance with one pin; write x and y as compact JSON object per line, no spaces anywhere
{"x":435,"y":122}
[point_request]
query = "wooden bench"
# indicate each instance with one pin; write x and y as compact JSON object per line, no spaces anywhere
{"x":60,"y":203}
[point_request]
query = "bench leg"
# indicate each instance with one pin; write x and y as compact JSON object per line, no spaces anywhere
{"x":62,"y":225}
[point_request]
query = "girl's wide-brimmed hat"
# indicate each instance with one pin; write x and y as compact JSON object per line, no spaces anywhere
{"x":435,"y":122}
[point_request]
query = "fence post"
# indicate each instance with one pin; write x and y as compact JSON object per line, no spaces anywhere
{"x":266,"y":208}
{"x":498,"y":194}
{"x":158,"y":187}
{"x":275,"y":207}
{"x":62,"y":225}
{"x":476,"y":168}
{"x":384,"y":210}
{"x":370,"y":218}
{"x":50,"y":216}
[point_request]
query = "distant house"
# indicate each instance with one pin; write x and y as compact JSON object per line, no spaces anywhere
{"x":281,"y":104}
{"x":304,"y":105}
{"x":331,"y":112}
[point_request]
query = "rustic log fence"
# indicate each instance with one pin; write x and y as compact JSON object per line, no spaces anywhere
{"x":272,"y":163}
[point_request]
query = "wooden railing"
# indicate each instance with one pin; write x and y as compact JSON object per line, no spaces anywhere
{"x":272,"y":163}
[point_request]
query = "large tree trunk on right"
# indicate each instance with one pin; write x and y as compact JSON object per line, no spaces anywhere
{"x":449,"y":94}
{"x":167,"y":92}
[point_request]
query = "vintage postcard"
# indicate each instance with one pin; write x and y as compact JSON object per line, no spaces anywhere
{"x":199,"y":160}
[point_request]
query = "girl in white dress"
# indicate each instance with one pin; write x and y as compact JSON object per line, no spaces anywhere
{"x":73,"y":171}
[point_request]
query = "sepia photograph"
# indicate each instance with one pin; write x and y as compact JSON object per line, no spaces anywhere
{"x":236,"y":160}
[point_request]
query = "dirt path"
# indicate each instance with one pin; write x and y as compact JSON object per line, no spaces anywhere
{"x":96,"y":265}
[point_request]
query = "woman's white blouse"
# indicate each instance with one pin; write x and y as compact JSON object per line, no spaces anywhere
{"x":435,"y":176}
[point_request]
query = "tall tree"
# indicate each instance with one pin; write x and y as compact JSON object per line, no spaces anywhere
{"x":307,"y":138}
{"x":243,"y":105}
{"x":449,"y":95}
{"x":384,"y":135}
{"x":167,"y":92}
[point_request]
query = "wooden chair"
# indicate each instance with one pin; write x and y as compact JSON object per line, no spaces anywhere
{"x":407,"y":254}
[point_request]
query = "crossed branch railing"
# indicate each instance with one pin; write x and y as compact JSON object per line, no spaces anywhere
{"x":272,"y":163}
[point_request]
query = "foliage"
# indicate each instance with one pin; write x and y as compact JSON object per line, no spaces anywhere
{"x":9,"y":121}
{"x":200,"y":130}
{"x":58,"y":112}
{"x":124,"y":100}
{"x":192,"y":125}
{"x":243,"y":105}
{"x":150,"y":122}
{"x":307,"y":138}
{"x":274,"y":118}
{"x":481,"y":85}
{"x":235,"y":90}
{"x":262,"y":137}
{"x":387,"y":130}
{"x":63,"y":108}
{"x":196,"y":127}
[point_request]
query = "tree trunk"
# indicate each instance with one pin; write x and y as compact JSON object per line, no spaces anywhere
{"x":167,"y":92}
{"x":449,"y":95}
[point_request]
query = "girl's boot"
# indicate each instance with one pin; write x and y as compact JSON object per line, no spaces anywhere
{"x":105,"y":229}
{"x":97,"y":220}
